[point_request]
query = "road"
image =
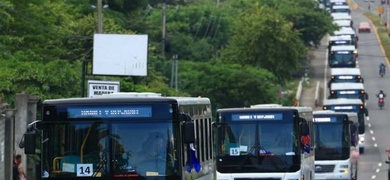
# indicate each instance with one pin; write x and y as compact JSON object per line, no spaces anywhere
{"x":372,"y":163}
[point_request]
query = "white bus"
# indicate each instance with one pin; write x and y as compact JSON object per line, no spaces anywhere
{"x":342,"y":56}
{"x":339,"y":41}
{"x":350,"y":105}
{"x":348,"y":90}
{"x":343,"y":23}
{"x":342,"y":16}
{"x":336,"y":137}
{"x":341,"y":75}
{"x":125,"y":136}
{"x":264,"y":142}
{"x":348,"y":31}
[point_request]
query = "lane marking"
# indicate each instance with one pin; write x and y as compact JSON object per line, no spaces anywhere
{"x":373,"y":138}
{"x":379,"y":164}
{"x":371,"y":132}
{"x":367,"y":118}
{"x":373,"y":177}
{"x":375,"y":145}
{"x":377,"y":170}
{"x":369,"y":125}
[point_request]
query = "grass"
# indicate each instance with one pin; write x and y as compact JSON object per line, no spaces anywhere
{"x":382,"y":32}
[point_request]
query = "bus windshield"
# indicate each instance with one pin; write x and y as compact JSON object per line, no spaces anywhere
{"x":349,"y":94}
{"x":135,"y":149}
{"x":340,"y":10}
{"x":342,"y":59}
{"x":257,"y":147}
{"x":331,"y":143}
{"x":351,"y":108}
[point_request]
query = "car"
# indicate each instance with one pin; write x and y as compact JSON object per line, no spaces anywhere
{"x":364,"y":27}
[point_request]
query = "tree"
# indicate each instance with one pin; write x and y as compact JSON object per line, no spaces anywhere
{"x":264,"y":39}
{"x":227,"y":85}
{"x":312,"y":22}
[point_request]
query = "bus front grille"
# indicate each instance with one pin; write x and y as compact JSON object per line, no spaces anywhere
{"x":324,"y":168}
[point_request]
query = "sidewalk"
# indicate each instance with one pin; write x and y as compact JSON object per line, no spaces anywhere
{"x":317,"y":60}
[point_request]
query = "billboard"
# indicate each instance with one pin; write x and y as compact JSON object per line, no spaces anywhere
{"x":120,"y":55}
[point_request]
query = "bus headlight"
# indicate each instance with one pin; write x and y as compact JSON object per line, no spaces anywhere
{"x":344,"y":169}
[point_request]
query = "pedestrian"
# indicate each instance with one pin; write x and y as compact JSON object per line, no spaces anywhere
{"x":15,"y":172}
{"x":18,"y":171}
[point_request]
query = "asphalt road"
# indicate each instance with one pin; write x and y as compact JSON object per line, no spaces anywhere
{"x":372,"y":163}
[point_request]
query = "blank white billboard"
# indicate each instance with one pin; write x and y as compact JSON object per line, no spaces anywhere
{"x":119,"y":54}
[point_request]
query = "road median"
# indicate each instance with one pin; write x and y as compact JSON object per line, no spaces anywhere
{"x":381,"y":33}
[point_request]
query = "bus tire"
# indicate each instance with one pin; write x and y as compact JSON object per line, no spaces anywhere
{"x":361,"y":150}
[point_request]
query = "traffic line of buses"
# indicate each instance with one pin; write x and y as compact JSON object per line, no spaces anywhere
{"x":148,"y":136}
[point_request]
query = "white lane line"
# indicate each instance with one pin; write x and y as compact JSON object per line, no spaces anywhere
{"x":375,"y":145}
{"x":380,"y":164}
{"x":369,"y":125}
{"x":377,"y":170}
{"x":368,"y":118}
{"x":373,"y":177}
{"x":373,"y":138}
{"x":371,"y":132}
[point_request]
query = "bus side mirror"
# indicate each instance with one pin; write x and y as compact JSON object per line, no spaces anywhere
{"x":365,"y":111}
{"x":189,"y":132}
{"x":29,"y":142}
{"x":353,"y":130}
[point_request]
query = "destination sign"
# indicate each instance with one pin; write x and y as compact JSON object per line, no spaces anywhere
{"x":345,"y":77}
{"x":343,"y":52}
{"x":343,"y":107}
{"x":341,"y":42}
{"x":347,"y":92}
{"x":325,"y":119}
{"x":110,"y":112}
{"x":255,"y":116}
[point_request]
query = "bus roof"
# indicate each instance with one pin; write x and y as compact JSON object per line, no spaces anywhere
{"x":334,"y":1}
{"x":344,"y":31}
{"x":340,"y":38}
{"x":338,"y":16}
{"x":129,"y":97}
{"x":327,"y":112}
{"x":341,"y":101}
{"x":343,"y":23}
{"x":282,"y":108}
{"x":343,"y":48}
{"x":266,"y":105}
{"x":340,"y":7}
{"x":344,"y":71}
{"x":347,"y":86}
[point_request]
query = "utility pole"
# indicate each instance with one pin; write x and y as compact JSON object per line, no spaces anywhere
{"x":163,"y":29}
{"x":100,"y":17}
{"x":176,"y":69}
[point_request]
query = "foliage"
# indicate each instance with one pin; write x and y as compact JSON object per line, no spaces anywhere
{"x":267,"y":41}
{"x":231,"y":50}
{"x":312,"y":22}
{"x":382,"y":32}
{"x":227,"y":85}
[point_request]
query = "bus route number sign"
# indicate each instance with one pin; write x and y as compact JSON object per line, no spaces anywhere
{"x":84,"y":170}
